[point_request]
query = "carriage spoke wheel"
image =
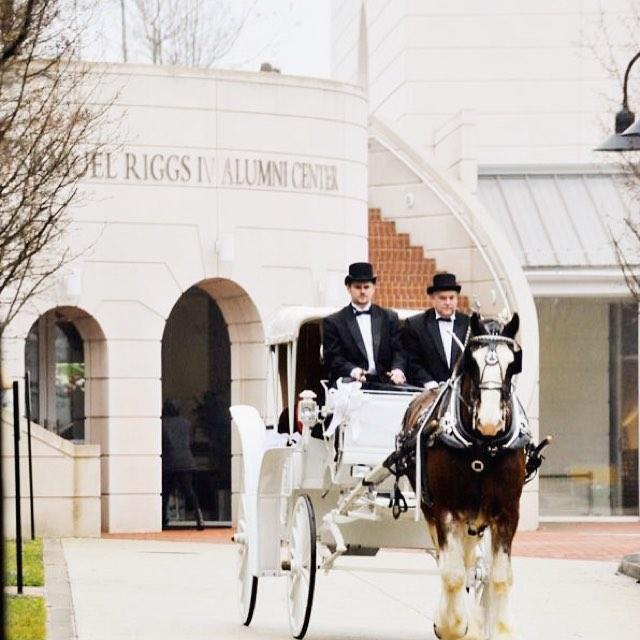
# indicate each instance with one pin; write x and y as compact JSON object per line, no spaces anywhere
{"x":248,"y":583}
{"x":480,"y":585}
{"x":302,"y":558}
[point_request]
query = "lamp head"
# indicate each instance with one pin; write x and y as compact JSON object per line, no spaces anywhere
{"x":632,"y":131}
{"x":620,"y":140}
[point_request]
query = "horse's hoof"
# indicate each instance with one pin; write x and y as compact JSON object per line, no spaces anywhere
{"x":437,"y":634}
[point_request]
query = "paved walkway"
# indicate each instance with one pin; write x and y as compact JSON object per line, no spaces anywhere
{"x":159,"y":589}
{"x":580,"y":541}
{"x":577,"y":541}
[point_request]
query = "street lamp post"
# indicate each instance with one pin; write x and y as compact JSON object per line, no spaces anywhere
{"x":627,"y":134}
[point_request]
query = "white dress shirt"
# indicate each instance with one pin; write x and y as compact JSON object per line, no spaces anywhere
{"x":446,"y":329}
{"x":364,"y":323}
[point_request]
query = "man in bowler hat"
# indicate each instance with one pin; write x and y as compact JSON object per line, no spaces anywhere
{"x":430,"y":347}
{"x":362,"y":341}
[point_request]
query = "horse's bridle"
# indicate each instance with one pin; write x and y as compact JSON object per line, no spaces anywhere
{"x":492,"y":360}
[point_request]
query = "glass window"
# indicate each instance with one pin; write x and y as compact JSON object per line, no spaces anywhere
{"x":589,"y":403}
{"x":69,"y":381}
{"x":624,"y":408}
{"x":54,"y":357}
{"x":32,"y":365}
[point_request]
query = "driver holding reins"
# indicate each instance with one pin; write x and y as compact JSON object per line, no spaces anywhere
{"x":362,"y":340}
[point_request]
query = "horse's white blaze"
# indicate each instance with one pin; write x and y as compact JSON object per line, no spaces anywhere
{"x":490,"y":419}
{"x":500,"y":585}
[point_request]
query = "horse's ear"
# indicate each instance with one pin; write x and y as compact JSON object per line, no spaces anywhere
{"x":512,"y":327}
{"x":476,"y":326}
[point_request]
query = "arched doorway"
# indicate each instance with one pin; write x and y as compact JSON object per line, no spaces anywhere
{"x":196,"y":384}
{"x":65,"y":355}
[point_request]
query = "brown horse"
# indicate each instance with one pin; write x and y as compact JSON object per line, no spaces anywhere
{"x":473,"y":471}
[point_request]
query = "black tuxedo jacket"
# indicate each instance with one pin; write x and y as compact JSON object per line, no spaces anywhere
{"x":424,"y":350}
{"x":344,"y":349}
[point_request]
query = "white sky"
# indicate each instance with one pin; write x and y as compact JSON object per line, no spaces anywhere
{"x":293,"y":35}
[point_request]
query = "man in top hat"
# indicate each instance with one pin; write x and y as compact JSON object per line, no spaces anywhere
{"x":429,"y":345}
{"x":362,"y":341}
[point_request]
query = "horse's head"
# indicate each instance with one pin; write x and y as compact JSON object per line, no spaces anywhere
{"x":492,"y":357}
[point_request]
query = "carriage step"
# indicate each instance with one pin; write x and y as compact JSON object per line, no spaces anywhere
{"x":356,"y":550}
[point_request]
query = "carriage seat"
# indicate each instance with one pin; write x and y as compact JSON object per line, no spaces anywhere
{"x":367,"y":430}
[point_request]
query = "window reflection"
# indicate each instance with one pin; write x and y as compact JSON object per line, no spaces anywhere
{"x":589,"y":403}
{"x":54,"y":358}
{"x":69,"y":381}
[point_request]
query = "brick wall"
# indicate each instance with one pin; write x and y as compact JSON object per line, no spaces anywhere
{"x":403,"y":271}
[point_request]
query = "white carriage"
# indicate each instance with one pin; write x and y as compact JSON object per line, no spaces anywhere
{"x":309,"y":498}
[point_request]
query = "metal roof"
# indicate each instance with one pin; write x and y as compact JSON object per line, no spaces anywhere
{"x":560,"y":218}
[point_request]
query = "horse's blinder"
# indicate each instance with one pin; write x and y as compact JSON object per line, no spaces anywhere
{"x":516,"y":366}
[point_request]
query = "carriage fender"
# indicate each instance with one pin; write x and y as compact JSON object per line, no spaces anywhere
{"x":264,"y":468}
{"x":274,"y":491}
{"x":253,"y":434}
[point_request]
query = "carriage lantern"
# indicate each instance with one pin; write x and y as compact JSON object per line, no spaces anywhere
{"x":308,"y":409}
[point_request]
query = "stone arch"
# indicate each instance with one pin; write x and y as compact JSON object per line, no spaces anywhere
{"x":95,"y":361}
{"x":246,"y":336}
{"x":213,"y":356}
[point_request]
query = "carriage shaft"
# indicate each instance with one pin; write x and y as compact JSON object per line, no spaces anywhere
{"x":376,"y":476}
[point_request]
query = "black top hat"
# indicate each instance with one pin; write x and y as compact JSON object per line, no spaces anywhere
{"x":360,"y":272}
{"x":444,"y":282}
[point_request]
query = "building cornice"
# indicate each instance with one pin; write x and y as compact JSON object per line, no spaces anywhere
{"x":607,"y":169}
{"x":577,"y":282}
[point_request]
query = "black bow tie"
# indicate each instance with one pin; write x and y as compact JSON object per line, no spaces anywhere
{"x":441,"y":319}
{"x":357,"y":312}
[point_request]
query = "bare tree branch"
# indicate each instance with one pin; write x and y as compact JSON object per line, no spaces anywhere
{"x":47,"y":129}
{"x":8,"y":16}
{"x":194,"y":33}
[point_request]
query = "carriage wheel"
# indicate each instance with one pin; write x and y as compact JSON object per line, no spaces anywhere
{"x":479,"y":587}
{"x":248,"y":583}
{"x":302,"y":558}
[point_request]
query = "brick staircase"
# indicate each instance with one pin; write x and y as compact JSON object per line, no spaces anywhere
{"x":403,"y":271}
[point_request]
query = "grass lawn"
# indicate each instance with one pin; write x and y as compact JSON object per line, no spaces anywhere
{"x":32,"y":566}
{"x":25,"y":618}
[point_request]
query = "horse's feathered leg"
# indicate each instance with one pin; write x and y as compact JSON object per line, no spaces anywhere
{"x":453,"y":618}
{"x":501,"y":579}
{"x":502,"y":505}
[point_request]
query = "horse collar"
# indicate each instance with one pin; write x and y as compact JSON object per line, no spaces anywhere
{"x":453,"y":433}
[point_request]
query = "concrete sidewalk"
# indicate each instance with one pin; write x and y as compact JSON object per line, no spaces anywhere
{"x":146,"y":589}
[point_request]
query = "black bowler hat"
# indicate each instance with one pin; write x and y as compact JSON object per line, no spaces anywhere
{"x":360,"y":272}
{"x":444,"y":282}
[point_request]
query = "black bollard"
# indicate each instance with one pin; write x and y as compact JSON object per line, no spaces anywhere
{"x":16,"y":456}
{"x":27,"y":410}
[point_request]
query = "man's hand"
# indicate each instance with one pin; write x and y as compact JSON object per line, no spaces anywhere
{"x":397,"y":376}
{"x":358,"y":374}
{"x":431,"y":385}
